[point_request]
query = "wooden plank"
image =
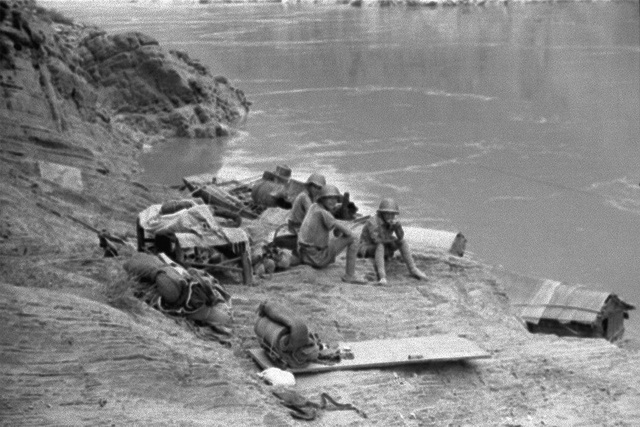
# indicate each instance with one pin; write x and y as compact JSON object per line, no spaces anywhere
{"x":391,"y":352}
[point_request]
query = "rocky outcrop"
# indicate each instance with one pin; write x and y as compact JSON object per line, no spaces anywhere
{"x":63,"y":72}
{"x":158,"y":91}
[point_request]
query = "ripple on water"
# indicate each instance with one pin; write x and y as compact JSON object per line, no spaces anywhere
{"x":621,"y":193}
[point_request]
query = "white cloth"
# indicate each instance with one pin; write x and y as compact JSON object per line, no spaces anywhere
{"x":277,"y":377}
{"x":197,"y":219}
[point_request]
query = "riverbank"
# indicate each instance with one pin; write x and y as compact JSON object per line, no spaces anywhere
{"x":78,"y":348}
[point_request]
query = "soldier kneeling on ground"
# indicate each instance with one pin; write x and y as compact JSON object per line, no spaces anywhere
{"x":381,"y":236}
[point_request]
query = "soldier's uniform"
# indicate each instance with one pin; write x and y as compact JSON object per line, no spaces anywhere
{"x":380,"y":239}
{"x":376,"y":231}
{"x":304,"y":200}
{"x":313,"y":238}
{"x":300,"y":207}
{"x":316,"y":248}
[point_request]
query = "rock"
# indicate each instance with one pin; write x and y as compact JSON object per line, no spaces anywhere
{"x":222,"y":130}
{"x":141,"y":77}
{"x":72,"y":72}
{"x":71,"y":86}
{"x":64,"y":176}
{"x":202,"y":114}
{"x":205,"y":132}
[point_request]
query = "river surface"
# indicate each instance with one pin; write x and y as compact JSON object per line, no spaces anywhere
{"x":517,"y":125}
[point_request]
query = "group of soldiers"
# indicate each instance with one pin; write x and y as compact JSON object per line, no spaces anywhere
{"x":312,"y":221}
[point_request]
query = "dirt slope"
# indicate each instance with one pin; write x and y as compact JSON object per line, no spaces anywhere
{"x":70,"y":359}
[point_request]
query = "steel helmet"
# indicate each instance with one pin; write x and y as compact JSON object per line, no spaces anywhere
{"x":329,"y":191}
{"x":389,"y":205}
{"x":317,"y":179}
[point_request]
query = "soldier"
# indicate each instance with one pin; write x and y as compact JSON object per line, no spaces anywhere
{"x":381,"y":236}
{"x":304,"y":200}
{"x":315,"y":247}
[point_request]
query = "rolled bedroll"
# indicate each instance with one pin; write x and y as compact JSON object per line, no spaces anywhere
{"x":284,"y":336}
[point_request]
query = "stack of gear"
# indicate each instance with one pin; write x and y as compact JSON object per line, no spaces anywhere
{"x":187,"y":231}
{"x":276,"y":189}
{"x":285,"y":338}
{"x":346,"y":210}
{"x":193,"y":294}
{"x":285,"y":240}
{"x":182,"y":216}
{"x":270,"y":258}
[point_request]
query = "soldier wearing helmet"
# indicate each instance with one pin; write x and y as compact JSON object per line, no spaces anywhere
{"x":304,"y":200}
{"x":381,"y":236}
{"x":315,"y":245}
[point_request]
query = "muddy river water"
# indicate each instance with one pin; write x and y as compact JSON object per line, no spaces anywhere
{"x":517,"y":125}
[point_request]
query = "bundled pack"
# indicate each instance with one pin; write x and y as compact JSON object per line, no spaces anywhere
{"x":192,"y":293}
{"x":284,"y":337}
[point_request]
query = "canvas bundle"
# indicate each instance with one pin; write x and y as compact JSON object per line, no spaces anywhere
{"x":285,"y":338}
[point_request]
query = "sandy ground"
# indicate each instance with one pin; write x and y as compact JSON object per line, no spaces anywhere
{"x":80,"y":350}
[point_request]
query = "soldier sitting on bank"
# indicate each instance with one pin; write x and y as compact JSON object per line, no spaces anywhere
{"x":316,"y":247}
{"x":381,"y":236}
{"x":304,"y":200}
